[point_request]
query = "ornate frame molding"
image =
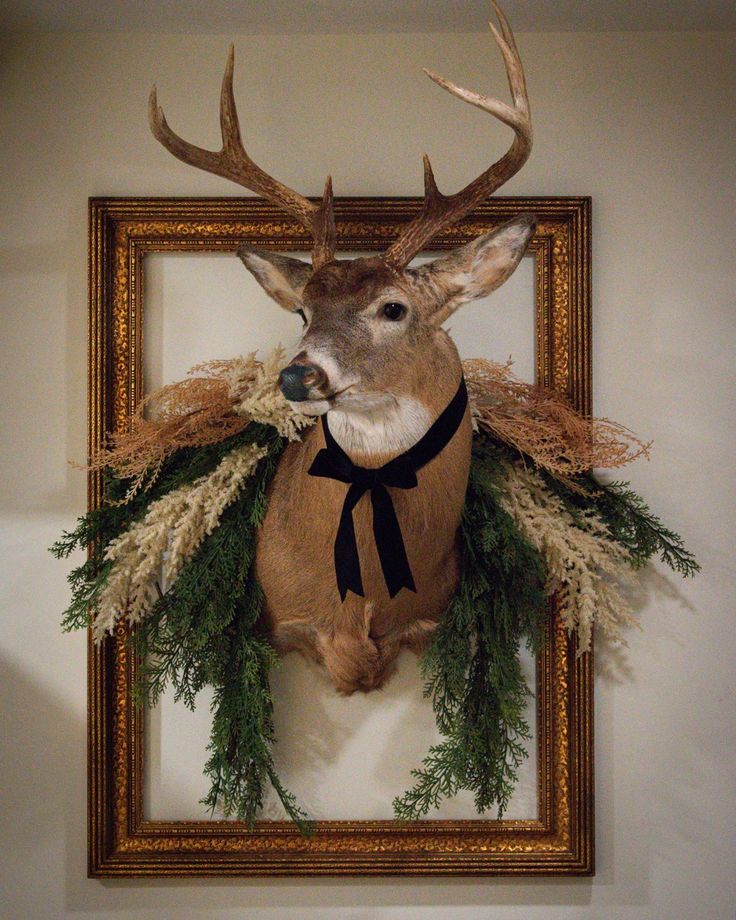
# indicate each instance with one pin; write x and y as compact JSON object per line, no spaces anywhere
{"x":122,"y":843}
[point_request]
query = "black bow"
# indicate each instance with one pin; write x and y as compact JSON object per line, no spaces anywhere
{"x":400,"y":473}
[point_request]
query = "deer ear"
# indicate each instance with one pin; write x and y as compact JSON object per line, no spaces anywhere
{"x":281,"y":277}
{"x":479,"y":267}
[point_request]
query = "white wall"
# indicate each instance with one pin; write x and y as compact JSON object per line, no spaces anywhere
{"x":644,"y":124}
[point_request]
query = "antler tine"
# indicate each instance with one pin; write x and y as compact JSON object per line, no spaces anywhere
{"x":440,"y":210}
{"x":229,"y":121}
{"x":324,"y":232}
{"x":232,"y":162}
{"x":515,"y":74}
{"x":183,"y":150}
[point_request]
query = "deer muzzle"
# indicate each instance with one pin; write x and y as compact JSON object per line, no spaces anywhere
{"x":300,"y":377}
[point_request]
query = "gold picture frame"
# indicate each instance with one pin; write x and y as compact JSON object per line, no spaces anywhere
{"x":122,"y":843}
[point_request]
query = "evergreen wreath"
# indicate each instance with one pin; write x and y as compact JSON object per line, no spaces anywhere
{"x":171,"y":552}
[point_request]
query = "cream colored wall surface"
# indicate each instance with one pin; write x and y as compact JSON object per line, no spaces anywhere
{"x":642,"y":122}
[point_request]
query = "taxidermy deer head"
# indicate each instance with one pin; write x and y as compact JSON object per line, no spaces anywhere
{"x":374,"y":357}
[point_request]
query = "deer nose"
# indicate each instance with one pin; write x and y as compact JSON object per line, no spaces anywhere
{"x":296,"y":379}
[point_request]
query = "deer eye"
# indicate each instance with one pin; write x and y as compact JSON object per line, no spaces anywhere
{"x":393,"y":310}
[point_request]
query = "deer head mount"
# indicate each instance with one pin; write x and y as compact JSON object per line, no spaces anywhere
{"x":374,"y":356}
{"x":376,"y":302}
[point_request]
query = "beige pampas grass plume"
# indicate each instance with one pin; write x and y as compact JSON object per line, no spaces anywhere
{"x":586,"y":569}
{"x":168,"y":535}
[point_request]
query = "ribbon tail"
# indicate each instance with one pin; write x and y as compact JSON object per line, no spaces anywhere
{"x":390,"y":543}
{"x":347,"y":563}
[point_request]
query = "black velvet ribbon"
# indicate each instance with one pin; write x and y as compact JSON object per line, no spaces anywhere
{"x":400,"y":473}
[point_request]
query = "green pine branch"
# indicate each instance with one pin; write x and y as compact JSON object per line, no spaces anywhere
{"x":472,"y":668}
{"x":629,"y":520}
{"x":99,"y":526}
{"x":241,"y":761}
{"x":206,"y":629}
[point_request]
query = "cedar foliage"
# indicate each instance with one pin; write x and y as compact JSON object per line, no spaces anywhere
{"x":629,"y":520}
{"x":205,"y":628}
{"x":472,"y":668}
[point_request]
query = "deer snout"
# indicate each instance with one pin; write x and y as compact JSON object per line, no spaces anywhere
{"x":296,"y":380}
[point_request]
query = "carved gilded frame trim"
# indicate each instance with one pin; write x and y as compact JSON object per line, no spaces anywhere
{"x":121,"y":841}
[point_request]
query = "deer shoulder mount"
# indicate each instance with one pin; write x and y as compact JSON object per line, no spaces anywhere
{"x":375,"y":363}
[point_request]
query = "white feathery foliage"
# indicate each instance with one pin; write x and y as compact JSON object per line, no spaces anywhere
{"x":586,"y":569}
{"x":168,"y":535}
{"x":255,"y":392}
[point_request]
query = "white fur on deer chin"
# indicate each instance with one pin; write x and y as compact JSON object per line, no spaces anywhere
{"x":378,"y":424}
{"x":311,"y":407}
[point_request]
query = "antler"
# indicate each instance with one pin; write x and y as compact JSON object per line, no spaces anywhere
{"x":232,"y":162}
{"x":441,"y":210}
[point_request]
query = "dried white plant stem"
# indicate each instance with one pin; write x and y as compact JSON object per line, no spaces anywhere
{"x":166,"y":538}
{"x":586,"y":569}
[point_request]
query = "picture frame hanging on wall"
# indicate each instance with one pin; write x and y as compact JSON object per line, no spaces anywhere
{"x":126,"y":842}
